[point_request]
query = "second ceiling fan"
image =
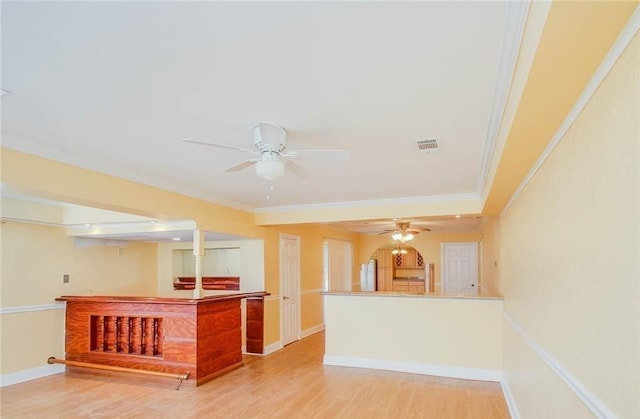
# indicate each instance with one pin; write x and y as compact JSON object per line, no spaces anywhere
{"x":404,"y":232}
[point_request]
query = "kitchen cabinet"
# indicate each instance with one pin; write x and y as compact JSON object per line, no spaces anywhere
{"x":411,"y":286}
{"x":384,"y":258}
{"x":385,"y":279}
{"x":410,"y":260}
{"x":419,"y":260}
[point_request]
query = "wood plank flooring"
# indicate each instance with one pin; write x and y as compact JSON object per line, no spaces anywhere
{"x":291,"y":383}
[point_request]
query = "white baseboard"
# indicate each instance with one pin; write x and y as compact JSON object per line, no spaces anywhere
{"x":30,"y":374}
{"x":310,"y":331}
{"x":276,"y":346}
{"x":508,"y":397}
{"x":415,"y":368}
{"x":269,"y":349}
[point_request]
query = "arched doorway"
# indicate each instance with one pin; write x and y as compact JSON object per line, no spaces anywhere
{"x":400,"y":268}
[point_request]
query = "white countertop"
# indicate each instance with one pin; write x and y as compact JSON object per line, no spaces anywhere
{"x":411,"y":295}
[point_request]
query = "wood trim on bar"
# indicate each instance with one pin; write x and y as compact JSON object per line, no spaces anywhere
{"x":160,"y":300}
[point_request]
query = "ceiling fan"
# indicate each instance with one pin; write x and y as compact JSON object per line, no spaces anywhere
{"x":270,"y":143}
{"x":404,"y":233}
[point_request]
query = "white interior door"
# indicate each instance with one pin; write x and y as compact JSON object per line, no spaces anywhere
{"x":339,"y":264}
{"x":289,"y":288}
{"x":460,"y":268}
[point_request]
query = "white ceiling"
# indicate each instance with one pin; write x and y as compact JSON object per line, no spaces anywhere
{"x":114,"y":86}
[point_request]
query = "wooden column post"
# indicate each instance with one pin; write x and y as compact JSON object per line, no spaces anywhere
{"x":432,"y":281}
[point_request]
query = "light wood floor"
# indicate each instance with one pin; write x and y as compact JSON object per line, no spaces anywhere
{"x":291,"y":383}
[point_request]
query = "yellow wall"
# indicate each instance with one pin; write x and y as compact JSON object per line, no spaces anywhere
{"x":30,"y":338}
{"x":34,"y":259}
{"x":490,"y":279}
{"x":577,"y":35}
{"x":465,"y":333}
{"x":23,"y":173}
{"x":571,"y":258}
{"x":312,"y":237}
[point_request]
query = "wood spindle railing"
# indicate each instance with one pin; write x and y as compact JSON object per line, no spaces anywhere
{"x":148,"y":336}
{"x":97,"y":334}
{"x":157,"y":333}
{"x":136,"y":335}
{"x":124,"y":334}
{"x":110,"y":334}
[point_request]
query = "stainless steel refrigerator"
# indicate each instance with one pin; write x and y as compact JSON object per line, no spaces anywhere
{"x":368,"y":273}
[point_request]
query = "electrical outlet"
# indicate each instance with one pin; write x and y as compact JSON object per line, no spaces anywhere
{"x":65,"y":278}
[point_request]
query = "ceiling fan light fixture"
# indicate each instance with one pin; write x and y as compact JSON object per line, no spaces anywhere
{"x":270,"y":167}
{"x":402,"y":237}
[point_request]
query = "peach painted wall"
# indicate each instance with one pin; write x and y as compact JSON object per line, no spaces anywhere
{"x":312,"y":237}
{"x":490,"y":260}
{"x":415,"y":332}
{"x":23,"y":173}
{"x":34,"y":259}
{"x":570,"y":259}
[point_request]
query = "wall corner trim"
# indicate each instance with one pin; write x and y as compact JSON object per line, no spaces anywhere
{"x":596,"y":406}
{"x":414,"y":368}
{"x":508,"y":397}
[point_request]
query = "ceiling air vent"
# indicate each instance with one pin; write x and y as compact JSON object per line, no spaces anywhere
{"x":428,"y":145}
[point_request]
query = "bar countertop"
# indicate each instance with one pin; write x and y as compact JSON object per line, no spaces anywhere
{"x":411,"y":295}
{"x":161,"y":300}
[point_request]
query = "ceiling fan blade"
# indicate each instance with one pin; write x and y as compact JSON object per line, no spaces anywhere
{"x":296,"y":169}
{"x":228,"y":147}
{"x":317,"y":153}
{"x":241,"y":165}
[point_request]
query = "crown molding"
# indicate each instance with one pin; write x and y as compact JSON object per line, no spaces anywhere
{"x":372,"y":203}
{"x":512,"y":35}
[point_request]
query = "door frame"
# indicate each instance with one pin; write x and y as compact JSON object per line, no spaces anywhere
{"x":297,"y":296}
{"x":443,"y":265}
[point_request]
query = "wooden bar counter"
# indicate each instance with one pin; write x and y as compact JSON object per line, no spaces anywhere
{"x":173,"y":335}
